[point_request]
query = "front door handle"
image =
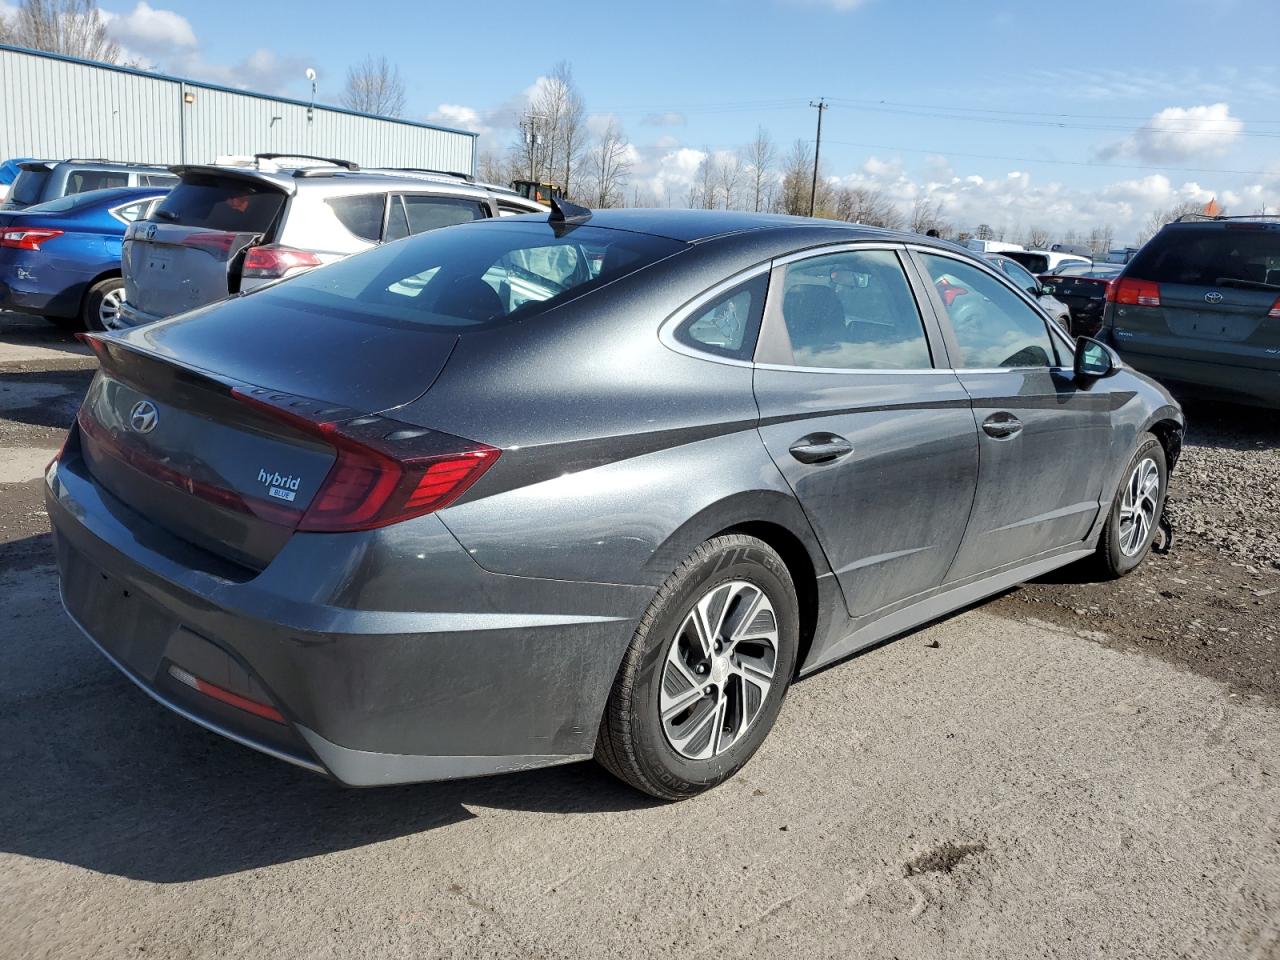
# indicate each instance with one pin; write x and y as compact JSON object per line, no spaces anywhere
{"x":1002,"y":425}
{"x":821,"y":448}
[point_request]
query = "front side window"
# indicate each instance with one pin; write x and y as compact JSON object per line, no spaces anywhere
{"x":853,"y":311}
{"x":993,"y":326}
{"x":727,"y":326}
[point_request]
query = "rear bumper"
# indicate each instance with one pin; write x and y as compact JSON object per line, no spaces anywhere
{"x":131,"y":316}
{"x":1219,"y":380}
{"x":493,"y":674}
{"x":25,"y":299}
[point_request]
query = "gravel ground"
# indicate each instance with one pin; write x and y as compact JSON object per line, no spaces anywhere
{"x":1072,"y":770}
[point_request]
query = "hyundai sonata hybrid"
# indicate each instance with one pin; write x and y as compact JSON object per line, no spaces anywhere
{"x":525,"y":491}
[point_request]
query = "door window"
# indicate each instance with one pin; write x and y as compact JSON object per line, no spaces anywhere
{"x":728,"y":325}
{"x":1021,"y":276}
{"x":82,"y":181}
{"x":432,"y":212}
{"x":852,"y":310}
{"x":993,"y":326}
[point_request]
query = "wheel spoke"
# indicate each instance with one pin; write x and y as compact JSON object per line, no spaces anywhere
{"x":674,"y":704}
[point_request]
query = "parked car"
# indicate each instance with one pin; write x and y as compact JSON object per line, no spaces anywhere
{"x":232,"y":228}
{"x":61,"y":259}
{"x":511,"y":494}
{"x":991,"y":246}
{"x":1083,"y":288}
{"x":1023,"y":280}
{"x":1199,"y":305}
{"x":39,"y":181}
{"x":1044,"y":261}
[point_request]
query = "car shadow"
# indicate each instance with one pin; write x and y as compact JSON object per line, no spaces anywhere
{"x":1230,"y":426}
{"x":43,"y":398}
{"x":99,"y":776}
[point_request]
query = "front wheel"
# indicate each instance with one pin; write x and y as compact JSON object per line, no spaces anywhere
{"x":1135,"y":515}
{"x":706,"y":672}
{"x":101,"y":309}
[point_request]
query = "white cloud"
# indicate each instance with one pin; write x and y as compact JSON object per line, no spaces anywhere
{"x":457,"y":115}
{"x":150,"y":31}
{"x":1180,"y":133}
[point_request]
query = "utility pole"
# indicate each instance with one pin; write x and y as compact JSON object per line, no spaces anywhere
{"x":821,"y":107}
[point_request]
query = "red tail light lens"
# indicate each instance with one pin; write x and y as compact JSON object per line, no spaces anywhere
{"x":379,"y":478}
{"x":1274,"y":312}
{"x":1141,"y":293}
{"x":271,"y":262}
{"x":26,"y":238}
{"x":264,"y":710}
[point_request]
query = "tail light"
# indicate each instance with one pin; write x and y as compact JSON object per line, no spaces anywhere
{"x":26,"y":238}
{"x":1274,"y":312}
{"x":199,"y":684}
{"x":1142,"y":293}
{"x":272,"y":262}
{"x":384,"y":472}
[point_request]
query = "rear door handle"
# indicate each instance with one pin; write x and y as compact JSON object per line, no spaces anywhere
{"x":1002,"y":425}
{"x":821,"y":448}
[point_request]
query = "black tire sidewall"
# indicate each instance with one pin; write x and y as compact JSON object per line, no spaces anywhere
{"x":93,"y":302}
{"x":1118,"y":563}
{"x":757,"y":564}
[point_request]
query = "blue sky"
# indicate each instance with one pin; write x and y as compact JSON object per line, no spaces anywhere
{"x":1097,"y":115}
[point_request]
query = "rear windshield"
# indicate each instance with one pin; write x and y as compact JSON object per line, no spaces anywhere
{"x":221,"y":203}
{"x":483,"y":275}
{"x":28,"y":186}
{"x":1035,"y":262}
{"x":1210,"y":255}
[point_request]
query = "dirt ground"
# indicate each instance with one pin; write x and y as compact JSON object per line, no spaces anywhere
{"x":1073,"y":769}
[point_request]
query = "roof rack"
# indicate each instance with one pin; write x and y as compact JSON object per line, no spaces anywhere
{"x":444,"y":173}
{"x":346,"y":164}
{"x":1192,"y":217}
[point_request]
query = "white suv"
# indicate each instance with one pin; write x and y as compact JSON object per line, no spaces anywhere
{"x":229,"y":228}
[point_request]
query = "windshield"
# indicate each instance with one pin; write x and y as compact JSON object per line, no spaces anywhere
{"x":472,"y":276}
{"x":1210,"y":256}
{"x":28,"y":186}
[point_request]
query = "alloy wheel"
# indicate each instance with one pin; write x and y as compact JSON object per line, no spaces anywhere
{"x":1138,"y":507}
{"x":109,"y":308}
{"x":719,"y":669}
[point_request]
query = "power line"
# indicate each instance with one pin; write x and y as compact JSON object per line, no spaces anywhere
{"x":1022,"y":113}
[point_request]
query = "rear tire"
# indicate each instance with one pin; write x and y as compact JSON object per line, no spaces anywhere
{"x":102,"y":304}
{"x":691,"y":705}
{"x":1135,"y":513}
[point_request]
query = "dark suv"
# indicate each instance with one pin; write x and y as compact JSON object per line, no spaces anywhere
{"x":1200,"y":305}
{"x":39,"y":181}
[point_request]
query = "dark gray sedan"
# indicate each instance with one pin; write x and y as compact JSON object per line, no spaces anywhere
{"x":525,"y":491}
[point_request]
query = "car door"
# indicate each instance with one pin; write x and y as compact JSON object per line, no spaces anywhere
{"x":864,"y":419}
{"x":1044,"y":439}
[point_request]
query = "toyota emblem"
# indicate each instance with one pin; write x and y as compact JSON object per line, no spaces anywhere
{"x":143,"y":417}
{"x":1213,"y":296}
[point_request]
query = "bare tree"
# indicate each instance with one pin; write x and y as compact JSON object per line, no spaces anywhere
{"x":374,"y":86}
{"x":1160,"y":217}
{"x":492,"y":168}
{"x":867,"y":205}
{"x":1037,"y":238}
{"x":760,"y":156}
{"x":608,"y":166}
{"x":74,"y":28}
{"x":730,"y":177}
{"x":552,"y":129}
{"x":926,"y":215}
{"x":707,"y":180}
{"x":797,"y":171}
{"x":1100,"y":240}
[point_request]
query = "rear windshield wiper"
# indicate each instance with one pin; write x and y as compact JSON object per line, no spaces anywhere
{"x":1247,"y":284}
{"x":166,"y":215}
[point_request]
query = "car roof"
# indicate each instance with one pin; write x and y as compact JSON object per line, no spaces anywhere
{"x":695,"y":226}
{"x":339,"y":180}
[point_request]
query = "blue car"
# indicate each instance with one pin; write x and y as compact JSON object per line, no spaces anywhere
{"x":61,"y":259}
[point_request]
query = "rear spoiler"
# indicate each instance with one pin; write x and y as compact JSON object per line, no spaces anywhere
{"x":247,"y":174}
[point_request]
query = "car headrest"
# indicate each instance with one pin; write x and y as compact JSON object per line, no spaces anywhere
{"x":813,"y":315}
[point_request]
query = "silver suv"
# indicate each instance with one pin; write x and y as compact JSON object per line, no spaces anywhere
{"x":229,"y":228}
{"x":40,"y":181}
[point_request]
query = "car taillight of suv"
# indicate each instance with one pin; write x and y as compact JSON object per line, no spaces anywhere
{"x":270,"y":262}
{"x":1142,"y":293}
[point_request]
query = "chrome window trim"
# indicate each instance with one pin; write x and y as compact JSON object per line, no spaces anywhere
{"x":667,"y":330}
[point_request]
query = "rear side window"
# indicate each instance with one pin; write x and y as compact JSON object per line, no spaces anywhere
{"x":221,"y":203}
{"x":28,"y":186}
{"x":853,"y":311}
{"x":361,"y":214}
{"x":1210,"y":256}
{"x":490,"y":276}
{"x":728,"y":325}
{"x":993,"y":326}
{"x":1035,"y":262}
{"x":157,"y":179}
{"x":430,"y":213}
{"x":81,"y":181}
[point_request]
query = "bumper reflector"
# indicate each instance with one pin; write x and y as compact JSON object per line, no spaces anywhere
{"x":226,"y":696}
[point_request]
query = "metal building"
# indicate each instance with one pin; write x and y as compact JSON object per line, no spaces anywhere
{"x":56,"y":107}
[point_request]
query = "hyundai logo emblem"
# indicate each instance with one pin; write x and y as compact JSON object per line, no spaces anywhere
{"x":1213,"y":296}
{"x":144,"y":416}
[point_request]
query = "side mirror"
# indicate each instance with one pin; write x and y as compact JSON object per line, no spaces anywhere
{"x":1094,"y":360}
